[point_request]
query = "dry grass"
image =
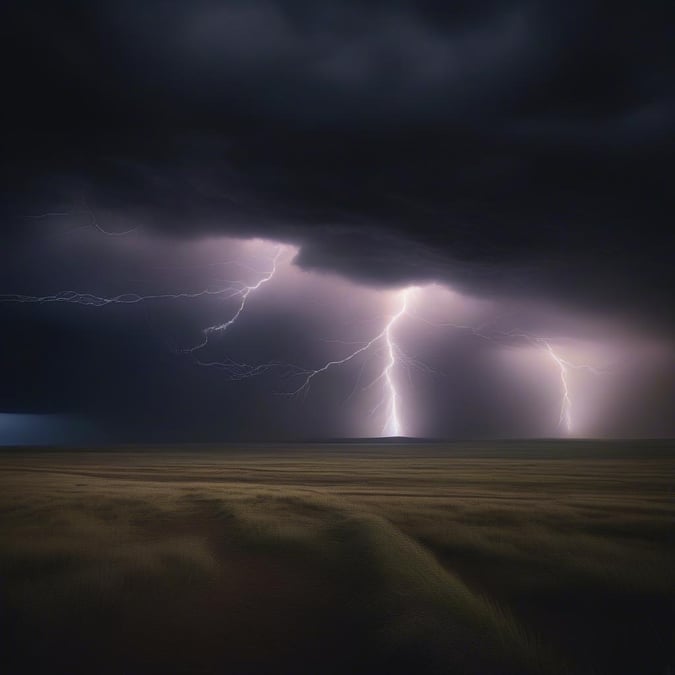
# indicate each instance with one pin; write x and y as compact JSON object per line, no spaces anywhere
{"x":338,"y":560}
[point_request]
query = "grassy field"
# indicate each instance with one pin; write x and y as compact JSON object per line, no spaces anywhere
{"x":495,"y":558}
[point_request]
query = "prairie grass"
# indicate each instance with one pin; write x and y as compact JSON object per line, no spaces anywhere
{"x":332,"y":560}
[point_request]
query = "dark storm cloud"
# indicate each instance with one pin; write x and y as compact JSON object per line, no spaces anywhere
{"x":519,"y":151}
{"x":505,"y":147}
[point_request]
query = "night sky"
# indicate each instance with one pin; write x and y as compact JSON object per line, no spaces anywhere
{"x":510,"y":163}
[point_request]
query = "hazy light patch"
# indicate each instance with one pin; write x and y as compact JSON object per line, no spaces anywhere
{"x":575,"y":378}
{"x":34,"y":429}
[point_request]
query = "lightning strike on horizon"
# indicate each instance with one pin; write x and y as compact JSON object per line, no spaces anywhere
{"x":566,"y":405}
{"x":565,"y":418}
{"x":392,"y":425}
{"x":498,"y":337}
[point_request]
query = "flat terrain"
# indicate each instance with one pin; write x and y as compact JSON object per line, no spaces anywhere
{"x":532,"y":557}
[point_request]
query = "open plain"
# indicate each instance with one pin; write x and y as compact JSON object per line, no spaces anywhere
{"x":480,"y":558}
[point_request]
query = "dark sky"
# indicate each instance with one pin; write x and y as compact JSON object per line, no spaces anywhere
{"x":517,"y":154}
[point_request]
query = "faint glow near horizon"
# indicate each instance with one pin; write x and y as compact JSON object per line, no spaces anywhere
{"x":42,"y":429}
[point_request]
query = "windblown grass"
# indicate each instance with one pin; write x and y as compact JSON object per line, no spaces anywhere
{"x":322,"y":561}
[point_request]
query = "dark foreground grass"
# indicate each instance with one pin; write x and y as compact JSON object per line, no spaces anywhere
{"x":479,"y":559}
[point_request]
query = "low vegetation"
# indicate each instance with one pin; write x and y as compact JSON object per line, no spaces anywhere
{"x":338,"y":560}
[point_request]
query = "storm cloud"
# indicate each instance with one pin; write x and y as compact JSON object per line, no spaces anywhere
{"x":513,"y":151}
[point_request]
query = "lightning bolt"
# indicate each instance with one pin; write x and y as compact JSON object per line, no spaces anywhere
{"x":566,"y":405}
{"x":244,"y":294}
{"x":233,"y":369}
{"x":563,"y":365}
{"x":392,"y":425}
{"x":496,"y":336}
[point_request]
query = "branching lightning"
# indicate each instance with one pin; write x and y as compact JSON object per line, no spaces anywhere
{"x":91,"y":300}
{"x":392,"y":425}
{"x":382,"y":347}
{"x":566,"y":405}
{"x":243,"y":294}
{"x":234,"y":289}
{"x":563,"y":365}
